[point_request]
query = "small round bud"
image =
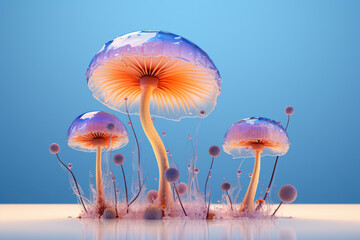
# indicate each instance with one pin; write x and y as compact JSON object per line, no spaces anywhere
{"x":118,"y":159}
{"x":117,"y":191}
{"x":214,"y":151}
{"x":250,"y":174}
{"x":110,"y":126}
{"x":109,"y":213}
{"x":202,"y":113}
{"x":129,"y":123}
{"x":238,"y":172}
{"x":196,"y":170}
{"x":287,"y":193}
{"x":54,"y":148}
{"x":113,"y":178}
{"x":69,"y":165}
{"x":153,"y":213}
{"x":181,"y":188}
{"x":152,"y":196}
{"x":189,"y":136}
{"x":225,"y":186}
{"x":289,"y":110}
{"x":164,"y":134}
{"x":172,"y":175}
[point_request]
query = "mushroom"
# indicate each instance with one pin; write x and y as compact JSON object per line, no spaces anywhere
{"x":255,"y":137}
{"x":159,"y":73}
{"x":89,"y":133}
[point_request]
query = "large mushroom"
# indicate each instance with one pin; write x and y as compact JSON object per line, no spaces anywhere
{"x":157,"y":73}
{"x":255,"y":137}
{"x":90,"y":132}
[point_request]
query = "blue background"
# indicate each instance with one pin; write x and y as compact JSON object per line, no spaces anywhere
{"x":270,"y":55}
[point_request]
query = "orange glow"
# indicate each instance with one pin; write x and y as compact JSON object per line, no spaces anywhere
{"x":86,"y":141}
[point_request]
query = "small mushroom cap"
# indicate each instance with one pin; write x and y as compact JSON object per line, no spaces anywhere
{"x":188,"y":80}
{"x":287,"y":193}
{"x":256,"y":130}
{"x":91,"y":125}
{"x":118,"y":159}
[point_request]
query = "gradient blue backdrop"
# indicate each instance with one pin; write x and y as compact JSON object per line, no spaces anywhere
{"x":270,"y":54}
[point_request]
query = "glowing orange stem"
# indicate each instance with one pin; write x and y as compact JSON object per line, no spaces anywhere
{"x":248,"y":202}
{"x":148,"y":84}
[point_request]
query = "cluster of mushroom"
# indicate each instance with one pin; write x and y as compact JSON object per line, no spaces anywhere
{"x":160,"y":74}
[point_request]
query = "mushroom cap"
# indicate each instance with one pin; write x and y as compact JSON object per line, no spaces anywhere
{"x":256,"y":130}
{"x":91,"y":125}
{"x":188,"y":81}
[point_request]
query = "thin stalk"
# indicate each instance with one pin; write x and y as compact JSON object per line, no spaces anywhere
{"x":117,"y":215}
{"x":126,"y":192}
{"x":277,"y":209}
{"x":137,"y":143}
{"x":177,"y":193}
{"x":76,"y":184}
{"x":207,"y":178}
{"x":229,"y":199}
{"x":132,"y":201}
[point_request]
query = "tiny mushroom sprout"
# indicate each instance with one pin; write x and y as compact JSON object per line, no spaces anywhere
{"x":255,"y":137}
{"x":157,"y":73}
{"x":89,"y":133}
{"x":287,"y":194}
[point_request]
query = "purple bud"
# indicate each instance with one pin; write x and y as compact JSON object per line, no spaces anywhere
{"x":54,"y":148}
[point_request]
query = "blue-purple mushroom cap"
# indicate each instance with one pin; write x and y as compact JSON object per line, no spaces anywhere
{"x":188,"y":81}
{"x":89,"y":127}
{"x":256,"y":130}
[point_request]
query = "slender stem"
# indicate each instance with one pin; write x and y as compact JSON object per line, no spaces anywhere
{"x":272,"y":177}
{"x":208,"y":209}
{"x":126,"y":192}
{"x":287,"y":124}
{"x":207,"y":178}
{"x":137,"y":142}
{"x":148,"y":84}
{"x":229,"y":199}
{"x":76,"y":184}
{"x":99,"y":182}
{"x":248,"y":202}
{"x":137,"y":195}
{"x":277,"y":209}
{"x":177,"y":193}
{"x":117,"y":215}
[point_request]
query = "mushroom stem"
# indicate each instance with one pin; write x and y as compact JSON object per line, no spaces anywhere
{"x":248,"y":202}
{"x":99,"y":182}
{"x":147,"y":85}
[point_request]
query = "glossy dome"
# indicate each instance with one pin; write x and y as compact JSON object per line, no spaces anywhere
{"x":88,"y":126}
{"x":188,"y":81}
{"x":242,"y":134}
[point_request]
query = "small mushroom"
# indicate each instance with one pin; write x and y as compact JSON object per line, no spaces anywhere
{"x":89,"y":133}
{"x":157,"y":73}
{"x":255,"y":137}
{"x":287,"y":194}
